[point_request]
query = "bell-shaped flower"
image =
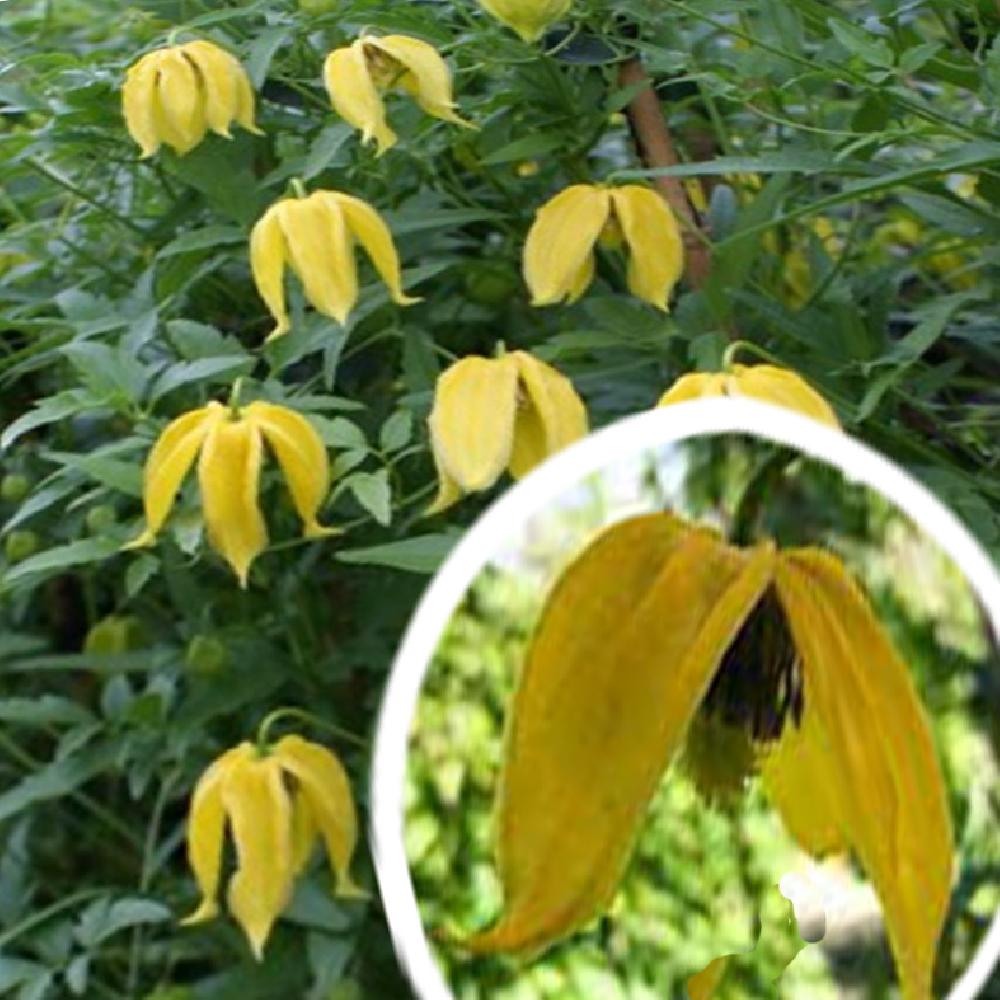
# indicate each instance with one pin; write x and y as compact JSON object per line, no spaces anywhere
{"x":177,"y":94}
{"x":559,"y":249}
{"x":492,"y":414}
{"x":277,"y":801}
{"x":661,"y":623}
{"x":529,"y":18}
{"x":232,"y":450}
{"x":315,"y":235}
{"x":767,"y":383}
{"x":357,"y":74}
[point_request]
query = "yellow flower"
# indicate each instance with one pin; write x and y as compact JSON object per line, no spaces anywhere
{"x":356,"y":74}
{"x":559,"y":250}
{"x":660,"y":622}
{"x":277,"y":804}
{"x":315,"y":236}
{"x":768,"y":383}
{"x":232,"y":448}
{"x":529,"y":18}
{"x":492,"y":414}
{"x":175,"y":95}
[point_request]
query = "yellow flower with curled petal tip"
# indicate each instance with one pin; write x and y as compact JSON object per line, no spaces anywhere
{"x":768,"y":383}
{"x":661,"y":622}
{"x":314,"y":235}
{"x":559,"y":249}
{"x":277,"y":801}
{"x":232,"y":448}
{"x":176,"y":94}
{"x":492,"y":414}
{"x":356,"y":75}
{"x":529,"y":18}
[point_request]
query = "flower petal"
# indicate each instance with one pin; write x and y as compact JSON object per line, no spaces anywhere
{"x":889,"y":792}
{"x":304,"y":831}
{"x":782,"y":387}
{"x":656,"y":249}
{"x":138,"y":99}
{"x":214,"y":66}
{"x":559,"y":242}
{"x":694,"y":386}
{"x":182,"y":102}
{"x":267,"y":264}
{"x":354,"y":95}
{"x":643,"y":650}
{"x":228,"y":472}
{"x":326,"y":787}
{"x":529,"y":18}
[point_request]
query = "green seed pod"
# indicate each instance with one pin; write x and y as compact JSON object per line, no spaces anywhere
{"x":114,"y":634}
{"x":100,"y":519}
{"x":14,"y":487}
{"x":19,"y":545}
{"x":206,"y":655}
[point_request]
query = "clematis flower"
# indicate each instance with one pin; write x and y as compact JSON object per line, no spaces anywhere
{"x":314,"y":235}
{"x":660,"y":623}
{"x":356,"y":74}
{"x":768,"y":383}
{"x":278,"y":802}
{"x":529,"y":18}
{"x":232,"y":449}
{"x":176,"y":94}
{"x":559,"y":249}
{"x":492,"y":414}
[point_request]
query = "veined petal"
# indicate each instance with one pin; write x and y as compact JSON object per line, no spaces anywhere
{"x":656,"y":250}
{"x":694,"y":386}
{"x":366,"y":225}
{"x":228,"y":472}
{"x":472,"y":421}
{"x":214,"y":66}
{"x":138,"y":98}
{"x":319,"y":248}
{"x":560,"y":240}
{"x":645,"y":651}
{"x":260,"y":814}
{"x":354,"y":95}
{"x":550,"y":415}
{"x":168,"y":464}
{"x":267,"y":264}
{"x":783,"y":388}
{"x":182,"y":102}
{"x":326,"y":787}
{"x":302,"y":455}
{"x":889,"y":792}
{"x":205,"y":829}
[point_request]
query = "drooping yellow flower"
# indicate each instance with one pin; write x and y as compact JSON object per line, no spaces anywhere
{"x":176,"y":94}
{"x":559,"y":249}
{"x":356,"y":75}
{"x":232,"y":449}
{"x":314,"y":235}
{"x":768,"y":383}
{"x":529,"y":18}
{"x":492,"y":414}
{"x":277,"y":803}
{"x":660,"y":622}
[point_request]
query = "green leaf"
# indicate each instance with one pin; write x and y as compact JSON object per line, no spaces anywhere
{"x":46,"y":710}
{"x":325,"y":147}
{"x":868,"y":47}
{"x":371,"y":490}
{"x":49,"y":411}
{"x":208,"y":370}
{"x":339,"y":432}
{"x":420,"y":554}
{"x":208,"y":238}
{"x":526,"y":148}
{"x":57,"y":559}
{"x":126,"y":477}
{"x":396,"y":431}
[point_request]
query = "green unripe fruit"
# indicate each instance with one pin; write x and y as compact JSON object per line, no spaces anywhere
{"x":100,"y":519}
{"x":206,"y":655}
{"x":114,"y":634}
{"x":489,"y":284}
{"x":14,"y":487}
{"x":19,"y":545}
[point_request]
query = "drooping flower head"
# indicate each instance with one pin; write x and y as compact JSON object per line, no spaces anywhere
{"x":314,"y":235}
{"x":529,"y":18}
{"x":660,"y":622}
{"x":357,"y":74}
{"x":767,"y":383}
{"x":277,"y":802}
{"x":559,"y":249}
{"x":492,"y":414}
{"x":232,"y":450}
{"x":176,"y":94}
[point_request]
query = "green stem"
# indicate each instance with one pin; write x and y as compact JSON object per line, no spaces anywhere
{"x":290,"y":712}
{"x":749,"y":511}
{"x":729,"y":355}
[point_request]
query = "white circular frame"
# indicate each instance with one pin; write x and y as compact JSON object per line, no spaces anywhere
{"x":605,"y":448}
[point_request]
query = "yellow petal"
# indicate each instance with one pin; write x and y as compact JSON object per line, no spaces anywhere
{"x":319,"y":249}
{"x":228,"y":472}
{"x":694,"y":386}
{"x":302,"y":455}
{"x":580,"y":282}
{"x":472,"y":421}
{"x":529,"y":18}
{"x":260,"y":814}
{"x":888,"y":788}
{"x":354,"y":95}
{"x":138,"y":98}
{"x":205,"y":829}
{"x":245,"y":103}
{"x":168,"y":464}
{"x":576,"y":778}
{"x":560,"y":241}
{"x":267,"y":263}
{"x":182,"y":102}
{"x":550,"y":415}
{"x":449,"y":492}
{"x":326,"y":787}
{"x":656,"y":249}
{"x":215,"y":67}
{"x":702,"y":985}
{"x":304,"y":831}
{"x":782,"y":388}
{"x":367,"y":227}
